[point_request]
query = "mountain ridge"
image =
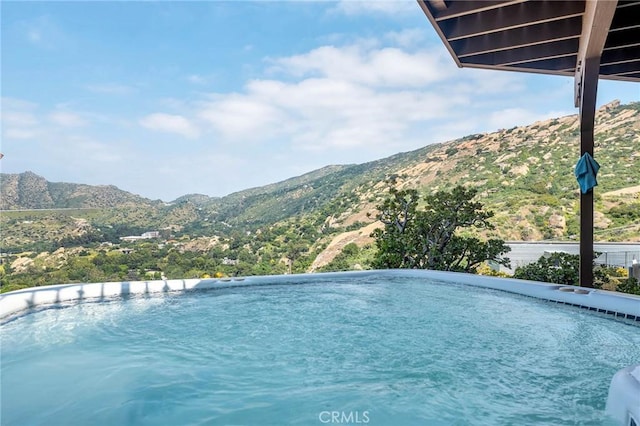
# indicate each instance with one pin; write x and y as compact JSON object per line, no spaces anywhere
{"x":523,"y":173}
{"x":28,"y":190}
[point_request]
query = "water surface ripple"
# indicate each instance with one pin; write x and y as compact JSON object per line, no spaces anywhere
{"x":397,"y":351}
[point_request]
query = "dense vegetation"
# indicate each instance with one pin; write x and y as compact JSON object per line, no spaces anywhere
{"x":522,"y":174}
{"x":562,"y":268}
{"x":429,"y":237}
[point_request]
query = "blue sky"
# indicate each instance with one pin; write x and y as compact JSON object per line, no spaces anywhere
{"x":164,"y":99}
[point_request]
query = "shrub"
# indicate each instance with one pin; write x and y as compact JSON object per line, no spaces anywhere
{"x":630,"y":285}
{"x":561,"y":268}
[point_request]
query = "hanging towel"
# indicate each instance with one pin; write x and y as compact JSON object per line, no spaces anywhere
{"x":586,"y":172}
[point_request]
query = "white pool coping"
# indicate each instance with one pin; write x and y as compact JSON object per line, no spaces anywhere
{"x":624,"y":393}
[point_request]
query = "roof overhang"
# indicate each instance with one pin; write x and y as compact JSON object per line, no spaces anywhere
{"x":584,"y":39}
{"x":541,"y":36}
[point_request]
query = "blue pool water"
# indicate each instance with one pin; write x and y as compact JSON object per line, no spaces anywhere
{"x":369,"y":350}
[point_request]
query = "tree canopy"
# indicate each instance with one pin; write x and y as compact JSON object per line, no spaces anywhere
{"x":428,"y":236}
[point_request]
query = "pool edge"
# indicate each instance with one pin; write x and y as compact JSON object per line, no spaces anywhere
{"x":625,"y":382}
{"x":613,"y":303}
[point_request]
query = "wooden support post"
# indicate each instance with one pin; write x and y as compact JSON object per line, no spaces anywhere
{"x":596,"y":22}
{"x":589,"y":87}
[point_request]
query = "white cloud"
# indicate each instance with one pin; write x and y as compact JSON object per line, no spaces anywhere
{"x":92,"y":151}
{"x":33,"y":35}
{"x":44,"y":32}
{"x":346,"y":98}
{"x":487,"y":82}
{"x":322,"y":114}
{"x":196,"y":79}
{"x":19,"y":119}
{"x":241,"y":116}
{"x":18,"y":133}
{"x":66,"y":119}
{"x":14,"y":103}
{"x":389,"y":67}
{"x":111,"y":88}
{"x":385,"y":7}
{"x":407,"y":38}
{"x":363,"y":100}
{"x":510,"y":117}
{"x":171,"y":124}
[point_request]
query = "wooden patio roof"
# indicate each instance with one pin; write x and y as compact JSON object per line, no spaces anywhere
{"x":585,"y":39}
{"x":539,"y":36}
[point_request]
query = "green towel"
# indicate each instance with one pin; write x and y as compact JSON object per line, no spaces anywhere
{"x":586,"y":172}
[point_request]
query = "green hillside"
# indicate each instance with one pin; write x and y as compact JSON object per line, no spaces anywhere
{"x":524,"y":174}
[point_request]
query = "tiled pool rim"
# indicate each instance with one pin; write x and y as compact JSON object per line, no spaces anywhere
{"x":623,"y":402}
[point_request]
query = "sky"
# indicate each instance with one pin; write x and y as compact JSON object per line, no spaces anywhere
{"x":167,"y":98}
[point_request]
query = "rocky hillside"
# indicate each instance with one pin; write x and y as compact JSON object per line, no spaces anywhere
{"x":29,"y":191}
{"x":524,"y":174}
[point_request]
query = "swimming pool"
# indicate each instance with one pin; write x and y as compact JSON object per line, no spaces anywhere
{"x":377,"y":348}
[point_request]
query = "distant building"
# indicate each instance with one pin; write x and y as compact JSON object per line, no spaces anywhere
{"x":132,"y":238}
{"x":147,"y":235}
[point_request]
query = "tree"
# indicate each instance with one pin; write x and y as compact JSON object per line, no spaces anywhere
{"x":429,"y":238}
{"x":295,"y":250}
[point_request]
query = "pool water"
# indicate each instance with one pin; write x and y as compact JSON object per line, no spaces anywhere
{"x":370,"y":350}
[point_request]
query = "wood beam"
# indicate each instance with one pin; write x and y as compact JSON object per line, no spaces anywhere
{"x":524,"y":54}
{"x":569,"y":73}
{"x":626,"y":19}
{"x":462,"y":8}
{"x":537,"y":34}
{"x":619,"y":56}
{"x":549,"y":65}
{"x":623,"y":38}
{"x":622,"y":68}
{"x":628,"y":76}
{"x":510,"y":17}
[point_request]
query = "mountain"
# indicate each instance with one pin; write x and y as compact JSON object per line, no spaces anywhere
{"x":524,"y":174}
{"x":29,"y":191}
{"x":197,"y":199}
